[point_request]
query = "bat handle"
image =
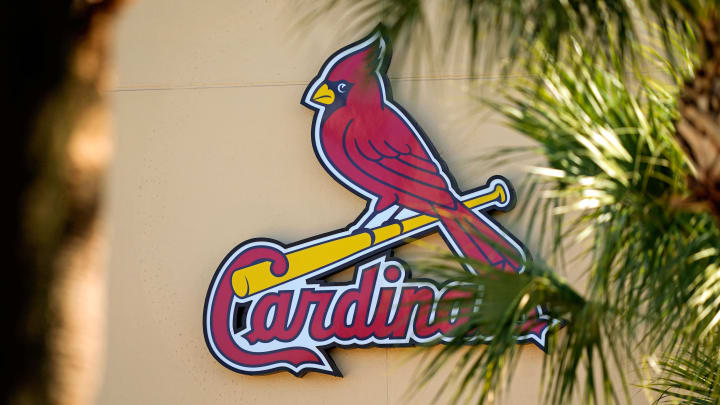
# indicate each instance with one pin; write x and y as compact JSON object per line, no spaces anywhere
{"x":497,"y":194}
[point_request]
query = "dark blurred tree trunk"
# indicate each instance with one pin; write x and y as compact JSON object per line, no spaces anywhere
{"x":698,"y":127}
{"x":54,"y":77}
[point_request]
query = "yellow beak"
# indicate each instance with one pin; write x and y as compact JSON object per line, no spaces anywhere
{"x":324,"y":95}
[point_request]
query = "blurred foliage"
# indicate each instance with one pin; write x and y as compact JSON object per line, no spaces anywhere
{"x":510,"y":28}
{"x":54,"y":78}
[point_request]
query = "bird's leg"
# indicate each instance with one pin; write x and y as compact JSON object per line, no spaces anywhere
{"x":377,"y":219}
{"x":383,"y":217}
{"x":405,"y":213}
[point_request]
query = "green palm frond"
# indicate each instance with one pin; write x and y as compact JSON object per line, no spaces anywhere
{"x":479,"y":372}
{"x":617,"y":175}
{"x":690,"y":377}
{"x":614,"y":178}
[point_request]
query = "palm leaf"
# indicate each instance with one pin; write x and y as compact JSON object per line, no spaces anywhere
{"x":613,"y":175}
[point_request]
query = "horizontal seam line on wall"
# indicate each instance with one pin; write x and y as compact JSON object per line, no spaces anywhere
{"x":298,"y":83}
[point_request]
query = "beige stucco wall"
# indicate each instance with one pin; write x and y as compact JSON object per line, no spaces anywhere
{"x":213,"y":148}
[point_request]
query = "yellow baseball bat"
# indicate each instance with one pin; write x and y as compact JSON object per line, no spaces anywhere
{"x":258,"y":277}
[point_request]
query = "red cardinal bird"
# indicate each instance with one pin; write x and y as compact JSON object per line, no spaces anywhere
{"x":369,"y":144}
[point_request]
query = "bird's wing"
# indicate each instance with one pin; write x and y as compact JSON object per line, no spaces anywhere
{"x":397,"y":159}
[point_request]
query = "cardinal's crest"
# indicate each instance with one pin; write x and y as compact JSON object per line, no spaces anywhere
{"x":268,"y":307}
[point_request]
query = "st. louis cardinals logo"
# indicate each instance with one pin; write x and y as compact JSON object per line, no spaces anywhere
{"x":268,"y":308}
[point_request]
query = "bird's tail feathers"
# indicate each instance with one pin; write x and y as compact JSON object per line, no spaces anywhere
{"x":471,"y":237}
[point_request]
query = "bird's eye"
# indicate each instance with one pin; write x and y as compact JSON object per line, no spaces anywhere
{"x":342,"y":87}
